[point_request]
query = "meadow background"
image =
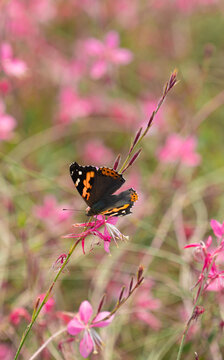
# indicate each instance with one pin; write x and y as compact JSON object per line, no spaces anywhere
{"x":77,"y":80}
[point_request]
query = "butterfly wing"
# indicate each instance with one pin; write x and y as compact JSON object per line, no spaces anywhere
{"x":115,"y":205}
{"x":94,"y":184}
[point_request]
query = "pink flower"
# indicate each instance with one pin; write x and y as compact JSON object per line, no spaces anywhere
{"x":6,"y":352}
{"x":17,"y":314}
{"x":7,"y":124}
{"x":73,"y":106}
{"x":10,"y":65}
{"x":19,"y":22}
{"x":180,"y":149}
{"x":48,"y":307}
{"x":215,"y":276}
{"x":217,"y":228}
{"x":110,"y":231}
{"x":96,"y":152}
{"x":5,"y":86}
{"x":106,"y":53}
{"x":51,"y":212}
{"x":82,"y":323}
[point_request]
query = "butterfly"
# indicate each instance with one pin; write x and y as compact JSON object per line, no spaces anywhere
{"x":97,"y":186}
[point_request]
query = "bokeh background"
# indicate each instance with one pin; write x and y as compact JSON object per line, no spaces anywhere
{"x":77,"y":80}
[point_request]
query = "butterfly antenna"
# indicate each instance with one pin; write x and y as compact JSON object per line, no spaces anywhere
{"x":71,"y":210}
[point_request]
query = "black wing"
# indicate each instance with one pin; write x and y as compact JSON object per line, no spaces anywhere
{"x":121,"y":204}
{"x":93,"y":184}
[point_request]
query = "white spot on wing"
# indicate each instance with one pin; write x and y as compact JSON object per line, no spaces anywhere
{"x":80,"y":173}
{"x":77,"y":182}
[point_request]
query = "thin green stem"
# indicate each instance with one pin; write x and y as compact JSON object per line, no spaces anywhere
{"x":37,"y":312}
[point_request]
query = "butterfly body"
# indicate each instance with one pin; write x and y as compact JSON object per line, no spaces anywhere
{"x":97,"y":187}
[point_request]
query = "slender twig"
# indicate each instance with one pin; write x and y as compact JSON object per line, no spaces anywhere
{"x":59,"y":332}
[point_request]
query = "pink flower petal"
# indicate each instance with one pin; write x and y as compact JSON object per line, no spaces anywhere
{"x":217,"y":228}
{"x":112,"y":39}
{"x":180,"y":149}
{"x":106,"y":245}
{"x":6,"y":51}
{"x":209,"y":241}
{"x":112,"y":220}
{"x":15,"y":67}
{"x":98,"y":69}
{"x":97,"y":321}
{"x":85,"y":311}
{"x":86,"y":345}
{"x":75,"y":326}
{"x":122,"y":56}
{"x":192,"y":245}
{"x":6,"y":352}
{"x":7,"y":125}
{"x":93,"y":47}
{"x":17,"y":314}
{"x":49,"y":304}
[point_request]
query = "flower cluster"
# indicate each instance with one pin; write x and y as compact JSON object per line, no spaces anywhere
{"x":211,"y":276}
{"x":109,"y":233}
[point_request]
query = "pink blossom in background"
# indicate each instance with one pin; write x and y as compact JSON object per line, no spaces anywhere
{"x":97,"y":153}
{"x":180,"y":149}
{"x":19,"y":22}
{"x":6,"y":352}
{"x":17,"y":314}
{"x":10,"y":65}
{"x":7,"y":124}
{"x":106,"y":53}
{"x":72,"y":106}
{"x":51,"y":212}
{"x":144,"y":304}
{"x":82,"y":323}
{"x":48,"y":307}
{"x":5,"y":86}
